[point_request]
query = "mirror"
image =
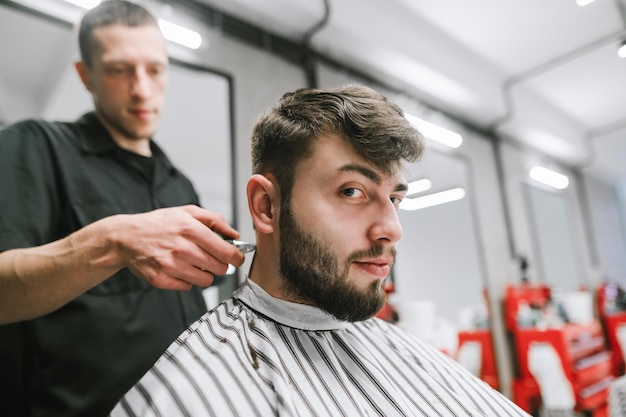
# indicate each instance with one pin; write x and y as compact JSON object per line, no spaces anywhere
{"x":439,"y":267}
{"x":553,"y":235}
{"x":438,"y":277}
{"x":439,"y":257}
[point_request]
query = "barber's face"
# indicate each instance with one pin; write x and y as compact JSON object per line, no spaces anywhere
{"x":128,"y":79}
{"x":338,"y":233}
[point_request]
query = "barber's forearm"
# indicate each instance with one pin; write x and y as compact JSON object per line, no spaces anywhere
{"x":172,"y":249}
{"x":38,"y":280}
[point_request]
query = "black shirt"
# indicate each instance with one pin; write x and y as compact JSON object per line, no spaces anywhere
{"x":54,"y":179}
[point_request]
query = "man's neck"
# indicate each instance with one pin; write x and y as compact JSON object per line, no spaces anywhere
{"x":138,"y":146}
{"x":265,"y":273}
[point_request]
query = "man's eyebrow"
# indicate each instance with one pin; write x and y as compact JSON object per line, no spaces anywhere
{"x":402,"y":187}
{"x":363,"y":170}
{"x":121,"y":61}
{"x":371,"y":174}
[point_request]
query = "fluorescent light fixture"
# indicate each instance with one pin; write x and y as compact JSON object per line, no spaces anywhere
{"x":549,"y":177}
{"x":180,"y":35}
{"x":434,"y":132}
{"x":85,"y":4}
{"x":621,"y":51}
{"x":582,"y":3}
{"x":432,"y":199}
{"x":419,"y":186}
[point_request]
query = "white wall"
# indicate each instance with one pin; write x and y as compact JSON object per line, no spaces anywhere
{"x":21,"y":105}
{"x":68,"y":99}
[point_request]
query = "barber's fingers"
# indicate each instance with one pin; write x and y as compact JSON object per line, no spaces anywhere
{"x":209,"y":236}
{"x":176,"y":274}
{"x":215,"y":261}
{"x":216,"y":249}
{"x":184,"y":262}
{"x":213,"y":221}
{"x":178,"y":243}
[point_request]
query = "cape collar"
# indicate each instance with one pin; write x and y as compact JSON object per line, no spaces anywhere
{"x":298,"y":316}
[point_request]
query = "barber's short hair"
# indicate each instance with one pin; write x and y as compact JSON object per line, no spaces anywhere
{"x":284,"y":135}
{"x":110,"y":12}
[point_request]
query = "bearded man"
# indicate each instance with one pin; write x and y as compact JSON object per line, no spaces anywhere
{"x":299,"y":337}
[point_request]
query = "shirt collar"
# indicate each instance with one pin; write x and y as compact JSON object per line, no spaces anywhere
{"x":299,"y":316}
{"x":98,"y":140}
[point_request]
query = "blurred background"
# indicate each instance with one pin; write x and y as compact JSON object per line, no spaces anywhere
{"x":520,"y":200}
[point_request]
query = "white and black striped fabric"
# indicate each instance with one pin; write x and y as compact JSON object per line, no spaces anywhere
{"x":617,"y":397}
{"x":254,"y":355}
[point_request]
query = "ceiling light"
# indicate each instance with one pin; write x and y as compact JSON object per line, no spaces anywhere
{"x":85,"y":4}
{"x":621,"y":51}
{"x":171,"y":31}
{"x":549,"y":177}
{"x":582,"y":3}
{"x":432,"y":199}
{"x":180,"y":35}
{"x":435,"y":132}
{"x":419,"y":186}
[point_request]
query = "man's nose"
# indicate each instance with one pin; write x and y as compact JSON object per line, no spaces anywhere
{"x":141,"y":84}
{"x":386,"y":224}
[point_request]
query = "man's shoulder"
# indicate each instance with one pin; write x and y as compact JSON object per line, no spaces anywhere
{"x":380,"y":325}
{"x":222,"y":314}
{"x":30,"y":130}
{"x":394,"y":337}
{"x":28,"y":126}
{"x":209,"y":332}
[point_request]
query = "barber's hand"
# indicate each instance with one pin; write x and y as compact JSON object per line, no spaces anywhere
{"x":176,"y":248}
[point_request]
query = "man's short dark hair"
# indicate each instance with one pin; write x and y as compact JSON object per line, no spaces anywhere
{"x":110,"y":12}
{"x":375,"y":126}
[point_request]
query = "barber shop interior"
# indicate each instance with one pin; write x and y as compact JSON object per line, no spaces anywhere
{"x":511,"y":265}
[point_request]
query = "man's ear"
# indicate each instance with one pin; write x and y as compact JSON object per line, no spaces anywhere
{"x":263,"y":200}
{"x":83,"y":73}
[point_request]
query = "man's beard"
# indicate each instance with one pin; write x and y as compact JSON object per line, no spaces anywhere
{"x":311,"y":273}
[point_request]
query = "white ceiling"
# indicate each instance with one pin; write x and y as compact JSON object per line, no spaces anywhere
{"x":543,"y":73}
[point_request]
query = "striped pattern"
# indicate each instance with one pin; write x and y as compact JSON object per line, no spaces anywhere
{"x":237,"y":361}
{"x":617,"y":397}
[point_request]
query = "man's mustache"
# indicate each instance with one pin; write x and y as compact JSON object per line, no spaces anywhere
{"x":373,"y":252}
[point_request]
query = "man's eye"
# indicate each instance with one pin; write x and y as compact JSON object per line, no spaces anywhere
{"x":396,"y":201}
{"x":156,"y":70}
{"x":352,"y":192}
{"x":117,"y":70}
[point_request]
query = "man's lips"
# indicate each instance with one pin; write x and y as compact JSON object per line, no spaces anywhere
{"x":378,"y":267}
{"x":141,"y":113}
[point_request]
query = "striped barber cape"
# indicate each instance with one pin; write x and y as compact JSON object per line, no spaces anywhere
{"x":254,"y":355}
